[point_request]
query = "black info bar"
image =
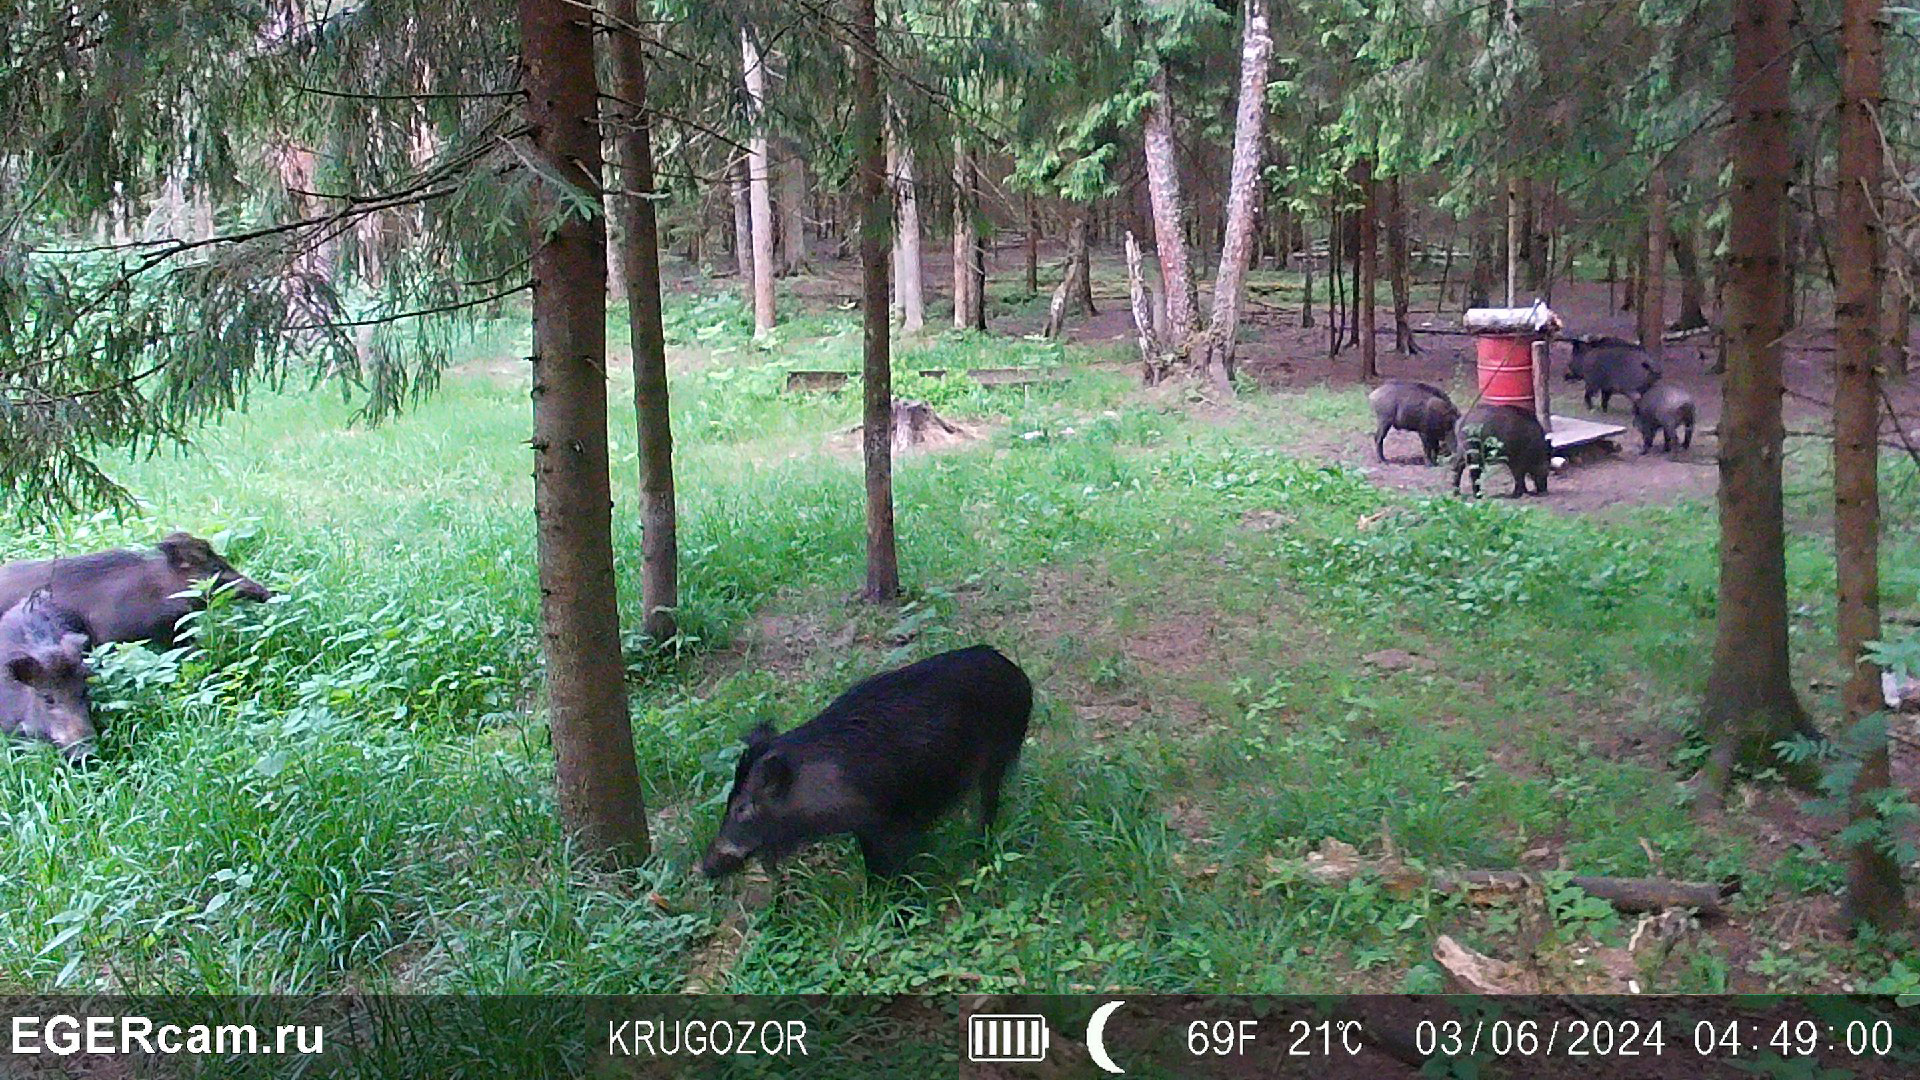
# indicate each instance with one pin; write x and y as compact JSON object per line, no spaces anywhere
{"x":988,"y":1037}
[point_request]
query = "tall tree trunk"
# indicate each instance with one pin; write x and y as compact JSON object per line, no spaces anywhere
{"x":977,"y":255}
{"x":1169,"y":216}
{"x":1033,"y":248}
{"x":876,"y":220}
{"x":1368,"y":265}
{"x":1397,"y":269}
{"x":1336,"y":295}
{"x":742,"y":225}
{"x":1083,"y":277}
{"x":1352,"y":238}
{"x":1516,"y":232}
{"x":597,"y":780}
{"x":1537,"y":246}
{"x":1653,"y":307}
{"x":1874,"y":895}
{"x":640,"y":254}
{"x":907,"y":268}
{"x":759,"y":193}
{"x":1693,"y":288}
{"x":976,"y":250}
{"x":963,"y":238}
{"x":1543,"y":235}
{"x":793,"y":210}
{"x":1243,"y":197}
{"x":1306,"y":295}
{"x":1073,"y":278}
{"x":1750,"y":700}
{"x":969,"y":254}
{"x":1480,"y":277}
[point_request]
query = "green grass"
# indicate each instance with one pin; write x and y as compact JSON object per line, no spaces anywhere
{"x":348,"y":788}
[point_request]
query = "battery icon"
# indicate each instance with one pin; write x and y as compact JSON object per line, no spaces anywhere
{"x":1015,"y":1037}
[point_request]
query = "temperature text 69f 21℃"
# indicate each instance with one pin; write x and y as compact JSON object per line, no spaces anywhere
{"x":1299,"y":1038}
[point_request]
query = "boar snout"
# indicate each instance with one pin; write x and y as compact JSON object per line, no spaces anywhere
{"x":246,"y":588}
{"x":723,"y":857}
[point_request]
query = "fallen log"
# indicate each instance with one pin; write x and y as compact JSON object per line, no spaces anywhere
{"x":1636,"y":895}
{"x":1336,"y":863}
{"x":1537,"y":320}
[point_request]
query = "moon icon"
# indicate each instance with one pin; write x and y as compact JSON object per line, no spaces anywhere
{"x":1096,"y":1029}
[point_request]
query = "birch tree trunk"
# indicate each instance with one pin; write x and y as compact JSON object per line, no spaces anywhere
{"x":759,"y":193}
{"x":1151,"y":370}
{"x":1073,"y":280}
{"x":1243,"y":193}
{"x":1874,"y":895}
{"x":1169,"y":215}
{"x":597,"y":780}
{"x":969,"y":300}
{"x":1751,"y":703}
{"x":906,"y":239}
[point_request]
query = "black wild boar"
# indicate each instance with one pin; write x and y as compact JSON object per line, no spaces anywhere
{"x":1424,"y":410}
{"x":881,"y":762}
{"x":1610,"y":366}
{"x":43,"y":675}
{"x":129,"y":595}
{"x":1584,"y":347}
{"x":1664,"y":408}
{"x":1494,"y":433}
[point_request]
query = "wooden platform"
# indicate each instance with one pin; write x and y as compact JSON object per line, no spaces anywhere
{"x":1570,"y":431}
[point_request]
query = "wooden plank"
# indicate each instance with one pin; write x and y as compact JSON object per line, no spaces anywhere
{"x":1571,"y":431}
{"x":1011,"y":376}
{"x":800,"y":382}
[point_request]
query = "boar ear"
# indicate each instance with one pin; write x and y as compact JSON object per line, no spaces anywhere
{"x":773,"y":775}
{"x":759,"y":737}
{"x":23,"y":667}
{"x":74,"y":648}
{"x":184,"y":551}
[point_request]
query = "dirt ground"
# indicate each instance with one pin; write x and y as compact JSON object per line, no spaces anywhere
{"x":1281,"y":356}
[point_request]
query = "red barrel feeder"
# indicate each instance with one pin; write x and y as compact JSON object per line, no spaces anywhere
{"x":1504,"y":340}
{"x":1506,"y":370}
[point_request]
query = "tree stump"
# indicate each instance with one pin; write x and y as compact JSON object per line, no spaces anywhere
{"x":916,"y":426}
